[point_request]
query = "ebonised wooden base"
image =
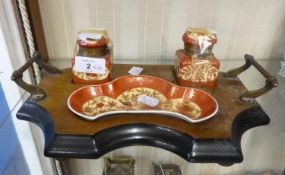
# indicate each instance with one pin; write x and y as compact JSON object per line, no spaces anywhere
{"x":199,"y":150}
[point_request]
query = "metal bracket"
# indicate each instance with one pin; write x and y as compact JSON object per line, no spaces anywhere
{"x":249,"y":96}
{"x":127,"y":169}
{"x":17,"y":76}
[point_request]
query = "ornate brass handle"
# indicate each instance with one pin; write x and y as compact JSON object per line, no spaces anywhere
{"x":249,"y":96}
{"x":17,"y":76}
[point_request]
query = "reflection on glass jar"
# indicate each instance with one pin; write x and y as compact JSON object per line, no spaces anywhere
{"x":93,"y":57}
{"x":196,"y":65}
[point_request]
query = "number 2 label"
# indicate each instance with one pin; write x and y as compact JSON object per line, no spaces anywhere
{"x":90,"y":65}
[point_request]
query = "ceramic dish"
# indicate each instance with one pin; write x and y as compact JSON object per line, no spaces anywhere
{"x":142,"y":94}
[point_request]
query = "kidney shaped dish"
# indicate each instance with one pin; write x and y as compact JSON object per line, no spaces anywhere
{"x":142,"y":94}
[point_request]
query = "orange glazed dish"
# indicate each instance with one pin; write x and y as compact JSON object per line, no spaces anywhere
{"x":142,"y":94}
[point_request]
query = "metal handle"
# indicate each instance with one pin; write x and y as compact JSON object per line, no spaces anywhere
{"x":249,"y":96}
{"x":127,"y":160}
{"x":17,"y":76}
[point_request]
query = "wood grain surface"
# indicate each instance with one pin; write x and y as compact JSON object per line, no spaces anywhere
{"x":58,"y":89}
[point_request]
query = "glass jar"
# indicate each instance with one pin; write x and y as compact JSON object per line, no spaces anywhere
{"x":93,"y":58}
{"x":196,"y":65}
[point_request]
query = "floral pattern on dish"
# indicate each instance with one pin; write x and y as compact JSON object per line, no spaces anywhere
{"x":183,"y":106}
{"x":101,"y":104}
{"x":128,"y":100}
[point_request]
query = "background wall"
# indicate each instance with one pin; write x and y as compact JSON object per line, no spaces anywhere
{"x":146,"y":31}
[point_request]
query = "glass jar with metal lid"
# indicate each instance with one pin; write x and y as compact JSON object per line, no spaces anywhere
{"x":196,"y":65}
{"x":93,"y":57}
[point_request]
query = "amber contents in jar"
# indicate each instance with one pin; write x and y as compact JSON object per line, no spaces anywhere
{"x":196,"y":65}
{"x":93,"y":54}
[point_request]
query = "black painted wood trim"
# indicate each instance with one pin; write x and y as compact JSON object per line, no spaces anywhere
{"x":219,"y":150}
